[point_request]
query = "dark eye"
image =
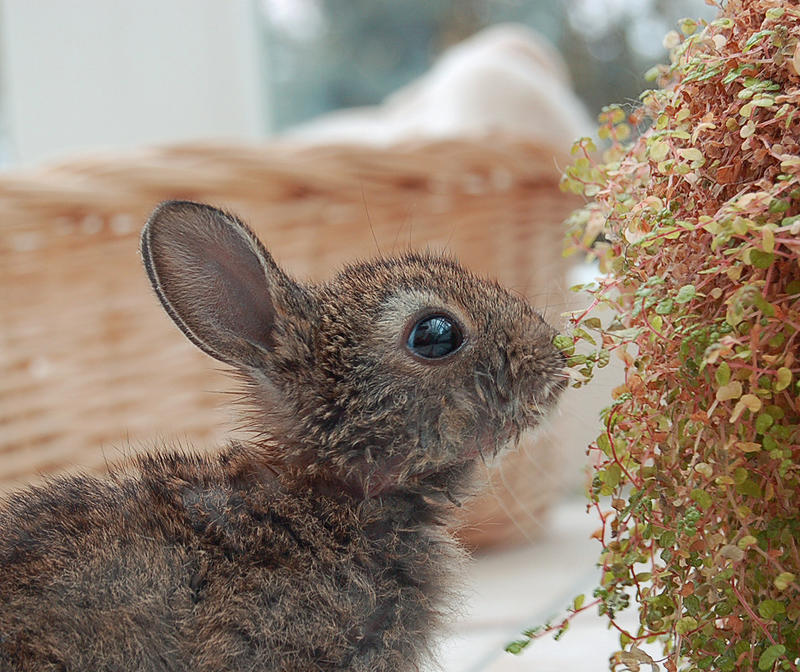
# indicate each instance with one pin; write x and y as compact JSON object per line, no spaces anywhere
{"x":435,"y":336}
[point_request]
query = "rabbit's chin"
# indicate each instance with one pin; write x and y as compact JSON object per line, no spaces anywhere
{"x":450,"y":476}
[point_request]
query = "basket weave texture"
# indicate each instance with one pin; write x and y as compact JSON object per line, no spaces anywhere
{"x":92,"y":370}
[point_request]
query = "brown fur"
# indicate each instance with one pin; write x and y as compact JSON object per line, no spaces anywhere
{"x":318,"y":546}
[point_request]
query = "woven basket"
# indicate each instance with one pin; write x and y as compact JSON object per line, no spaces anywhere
{"x":91,"y":370}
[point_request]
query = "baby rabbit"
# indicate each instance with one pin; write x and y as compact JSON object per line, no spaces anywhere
{"x":320,"y":545}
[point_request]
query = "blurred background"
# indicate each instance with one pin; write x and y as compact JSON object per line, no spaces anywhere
{"x":93,"y":73}
{"x":333,"y":127}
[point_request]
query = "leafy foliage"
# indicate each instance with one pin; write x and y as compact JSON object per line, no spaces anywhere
{"x":696,"y":223}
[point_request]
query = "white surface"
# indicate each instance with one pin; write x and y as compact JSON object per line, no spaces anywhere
{"x":110,"y":73}
{"x":513,"y":590}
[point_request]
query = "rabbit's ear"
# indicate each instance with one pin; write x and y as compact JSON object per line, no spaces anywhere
{"x":214,"y":278}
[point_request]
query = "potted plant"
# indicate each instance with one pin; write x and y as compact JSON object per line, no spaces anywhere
{"x":694,"y":215}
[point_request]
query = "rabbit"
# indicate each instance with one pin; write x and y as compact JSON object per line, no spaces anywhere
{"x":322,"y":544}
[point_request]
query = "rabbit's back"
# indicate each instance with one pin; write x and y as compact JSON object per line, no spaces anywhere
{"x":194,"y":563}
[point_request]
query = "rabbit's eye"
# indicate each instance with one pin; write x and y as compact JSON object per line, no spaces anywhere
{"x":435,"y":336}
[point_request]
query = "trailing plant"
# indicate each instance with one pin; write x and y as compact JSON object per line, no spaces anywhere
{"x":695,"y":222}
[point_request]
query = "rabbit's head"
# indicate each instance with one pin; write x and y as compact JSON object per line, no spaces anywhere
{"x":396,"y":375}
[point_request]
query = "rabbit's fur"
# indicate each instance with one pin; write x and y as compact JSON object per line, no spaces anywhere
{"x":321,"y":544}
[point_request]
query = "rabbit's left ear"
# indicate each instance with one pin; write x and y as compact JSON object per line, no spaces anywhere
{"x":214,"y":279}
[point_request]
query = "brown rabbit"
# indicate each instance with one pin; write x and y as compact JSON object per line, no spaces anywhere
{"x":320,"y":545}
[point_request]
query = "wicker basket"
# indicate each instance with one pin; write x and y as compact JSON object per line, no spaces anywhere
{"x":91,"y":369}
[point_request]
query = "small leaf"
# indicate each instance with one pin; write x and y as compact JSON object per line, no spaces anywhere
{"x":577,"y":603}
{"x":612,"y":475}
{"x":771,"y":608}
{"x":752,"y":402}
{"x":517,"y":647}
{"x":702,"y":498}
{"x":747,"y":541}
{"x":731,"y":552}
{"x":723,"y":375}
{"x":763,"y":422}
{"x":583,"y":335}
{"x":734,"y":313}
{"x":604,"y":444}
{"x":659,"y":150}
{"x":750,"y":489}
{"x":564,"y":343}
{"x":665,"y":307}
{"x":768,"y":239}
{"x":686,"y":294}
{"x":704,"y":468}
{"x":755,"y":38}
{"x":687,"y":26}
{"x":592,"y":323}
{"x":732,"y":390}
{"x":770,"y":655}
{"x":784,"y":580}
{"x":693,"y":155}
{"x":761,"y":259}
{"x":783,"y":379}
{"x":748,"y":446}
{"x":686,"y":624}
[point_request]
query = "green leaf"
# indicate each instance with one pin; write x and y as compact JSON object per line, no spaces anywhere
{"x":564,"y":343}
{"x":783,"y":379}
{"x":702,"y":498}
{"x":517,"y":647}
{"x":778,"y":205}
{"x":734,"y":74}
{"x":723,"y":374}
{"x":734,"y":313}
{"x":728,"y":391}
{"x":755,"y":39}
{"x":763,"y":422}
{"x":612,"y":475}
{"x":652,"y":74}
{"x":771,"y":608}
{"x":687,"y":26}
{"x":749,"y":488}
{"x":659,"y":150}
{"x":577,"y":603}
{"x":604,"y":444}
{"x":770,"y":655}
{"x":592,"y":323}
{"x":686,"y":294}
{"x":584,"y":336}
{"x":747,"y":541}
{"x":664,"y":307}
{"x":761,"y":259}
